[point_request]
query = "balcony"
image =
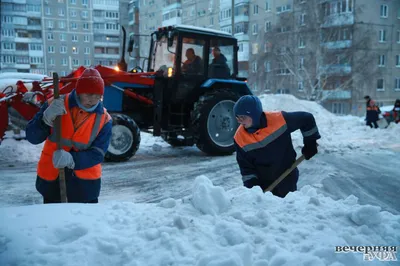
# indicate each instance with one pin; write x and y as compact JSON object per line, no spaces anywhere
{"x":23,"y":66}
{"x":337,"y":44}
{"x":34,"y":27}
{"x":172,"y":21}
{"x":242,"y":37}
{"x":107,"y":44}
{"x":334,"y":95}
{"x":106,"y":56}
{"x":243,"y":56}
{"x":340,"y":19}
{"x":106,"y":32}
{"x":105,"y":7}
{"x":336,"y":69}
{"x":171,"y":7}
{"x":33,"y":14}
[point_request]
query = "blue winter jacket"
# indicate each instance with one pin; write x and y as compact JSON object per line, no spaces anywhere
{"x":78,"y":190}
{"x":262,"y":162}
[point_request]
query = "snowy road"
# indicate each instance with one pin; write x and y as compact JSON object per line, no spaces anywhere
{"x":151,"y":177}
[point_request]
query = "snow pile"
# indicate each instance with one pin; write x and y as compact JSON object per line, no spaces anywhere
{"x":339,"y":133}
{"x":10,"y":79}
{"x":247,"y":228}
{"x":19,"y":151}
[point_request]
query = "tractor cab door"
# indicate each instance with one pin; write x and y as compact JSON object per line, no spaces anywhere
{"x":221,"y":59}
{"x":193,"y":66}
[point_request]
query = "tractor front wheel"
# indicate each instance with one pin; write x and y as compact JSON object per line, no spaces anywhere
{"x":125,"y":139}
{"x":214,"y":122}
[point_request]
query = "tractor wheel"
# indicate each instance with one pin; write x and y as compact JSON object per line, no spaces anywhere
{"x":214,"y":122}
{"x":125,"y":139}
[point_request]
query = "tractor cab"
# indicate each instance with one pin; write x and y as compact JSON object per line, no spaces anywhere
{"x":194,"y":53}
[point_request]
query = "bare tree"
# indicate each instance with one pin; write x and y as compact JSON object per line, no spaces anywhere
{"x":317,"y":51}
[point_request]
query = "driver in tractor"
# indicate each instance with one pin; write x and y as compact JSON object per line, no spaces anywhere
{"x":194,"y":64}
{"x":85,"y":136}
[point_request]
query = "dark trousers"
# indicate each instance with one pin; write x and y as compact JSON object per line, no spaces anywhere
{"x":48,"y":201}
{"x":372,"y":124}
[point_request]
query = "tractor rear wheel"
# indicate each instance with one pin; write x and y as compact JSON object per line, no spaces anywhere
{"x":125,"y":139}
{"x":214,"y":122}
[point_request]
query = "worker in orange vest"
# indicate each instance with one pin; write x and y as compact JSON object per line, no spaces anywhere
{"x":263,"y":143}
{"x":86,"y":134}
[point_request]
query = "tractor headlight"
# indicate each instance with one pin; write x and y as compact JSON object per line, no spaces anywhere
{"x":170,"y":72}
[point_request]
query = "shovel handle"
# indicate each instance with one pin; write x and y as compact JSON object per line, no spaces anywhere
{"x":57,"y":129}
{"x":285,"y":174}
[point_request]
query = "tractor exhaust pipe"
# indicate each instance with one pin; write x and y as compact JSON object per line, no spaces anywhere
{"x":122,"y":63}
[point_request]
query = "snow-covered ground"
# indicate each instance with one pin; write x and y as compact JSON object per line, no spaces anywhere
{"x":217,"y":222}
{"x":8,"y":80}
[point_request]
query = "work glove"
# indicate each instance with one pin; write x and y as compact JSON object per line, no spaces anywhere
{"x":62,"y":158}
{"x":55,"y":109}
{"x":309,"y":149}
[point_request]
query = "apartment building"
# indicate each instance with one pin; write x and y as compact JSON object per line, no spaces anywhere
{"x":43,"y":36}
{"x":67,"y":35}
{"x":133,"y":59}
{"x":334,"y":52}
{"x":21,"y":43}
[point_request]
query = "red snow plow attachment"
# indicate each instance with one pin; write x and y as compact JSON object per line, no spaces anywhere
{"x":19,"y":106}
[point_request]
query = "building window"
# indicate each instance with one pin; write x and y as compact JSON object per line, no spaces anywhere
{"x":380,"y":85}
{"x":254,"y":67}
{"x":254,"y":48}
{"x":50,"y":24}
{"x":397,"y":84}
{"x":51,"y":62}
{"x":64,"y":61}
{"x":86,"y":38}
{"x":61,"y":24}
{"x":36,"y":60}
{"x":85,"y":2}
{"x":285,"y":8}
{"x":382,"y":35}
{"x":283,"y":91}
{"x":84,"y":14}
{"x":63,"y":49}
{"x":48,"y":11}
{"x":86,"y":26}
{"x":75,"y":62}
{"x":72,"y":13}
{"x":87,"y":50}
{"x":268,"y":26}
{"x":9,"y":46}
{"x":381,"y":62}
{"x":398,"y":13}
{"x":61,"y":12}
{"x":384,"y":11}
{"x":74,"y":38}
{"x":50,"y":36}
{"x":62,"y":37}
{"x":255,"y":9}
{"x":72,"y":2}
{"x":87,"y":62}
{"x":267,"y":66}
{"x":302,"y":43}
{"x":300,"y":86}
{"x":75,"y":50}
{"x":255,"y":29}
{"x":338,"y":108}
{"x":398,"y":36}
{"x":240,"y":47}
{"x":302,"y":19}
{"x":397,"y":60}
{"x":267,"y":5}
{"x":51,"y":49}
{"x":74,"y":26}
{"x":301,"y":63}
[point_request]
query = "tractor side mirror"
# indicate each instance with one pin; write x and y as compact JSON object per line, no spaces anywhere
{"x":130,"y":45}
{"x":170,"y":39}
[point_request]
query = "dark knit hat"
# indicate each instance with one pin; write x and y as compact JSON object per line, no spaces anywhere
{"x":251,"y":106}
{"x":90,"y":82}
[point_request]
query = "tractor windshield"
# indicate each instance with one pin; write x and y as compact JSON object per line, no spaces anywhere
{"x":163,"y":56}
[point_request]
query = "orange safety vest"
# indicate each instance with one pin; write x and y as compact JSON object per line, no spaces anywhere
{"x":251,"y":141}
{"x":77,"y":139}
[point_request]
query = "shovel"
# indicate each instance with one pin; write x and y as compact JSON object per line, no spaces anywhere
{"x":285,"y":174}
{"x":57,"y":128}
